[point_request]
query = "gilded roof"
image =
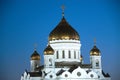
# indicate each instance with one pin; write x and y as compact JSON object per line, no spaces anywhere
{"x":49,"y":50}
{"x":35,"y":56}
{"x":95,"y":51}
{"x":63,"y":31}
{"x":81,"y":58}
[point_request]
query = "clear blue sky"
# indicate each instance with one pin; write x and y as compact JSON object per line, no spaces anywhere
{"x":25,"y":22}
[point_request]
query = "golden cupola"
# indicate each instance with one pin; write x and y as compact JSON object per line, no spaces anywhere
{"x":49,"y":50}
{"x":95,"y":51}
{"x":35,"y":56}
{"x":81,"y":58}
{"x":63,"y":31}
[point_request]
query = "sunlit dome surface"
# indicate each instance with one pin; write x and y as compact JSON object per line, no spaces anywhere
{"x":49,"y":50}
{"x":63,"y":31}
{"x":35,"y":56}
{"x":95,"y":51}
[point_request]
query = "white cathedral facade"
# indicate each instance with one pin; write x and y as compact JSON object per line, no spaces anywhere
{"x":63,"y":59}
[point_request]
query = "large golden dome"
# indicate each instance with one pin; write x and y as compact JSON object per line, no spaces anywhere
{"x":49,"y":50}
{"x":95,"y":51}
{"x":35,"y":56}
{"x":63,"y":31}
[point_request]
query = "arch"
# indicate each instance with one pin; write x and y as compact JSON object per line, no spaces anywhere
{"x":79,"y":73}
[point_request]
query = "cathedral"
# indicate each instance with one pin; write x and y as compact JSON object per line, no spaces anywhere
{"x":63,"y":59}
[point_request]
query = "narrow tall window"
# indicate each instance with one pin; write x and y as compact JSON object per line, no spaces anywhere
{"x":97,"y":63}
{"x":78,"y":54}
{"x":63,"y":54}
{"x":75,"y":54}
{"x":69,"y":53}
{"x":57,"y":56}
{"x":50,"y":62}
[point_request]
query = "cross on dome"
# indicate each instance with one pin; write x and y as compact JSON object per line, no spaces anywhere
{"x":95,"y":41}
{"x":63,"y":8}
{"x":35,"y":46}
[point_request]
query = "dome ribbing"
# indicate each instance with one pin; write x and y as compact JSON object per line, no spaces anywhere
{"x":63,"y":31}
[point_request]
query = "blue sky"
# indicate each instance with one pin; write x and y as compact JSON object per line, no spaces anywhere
{"x":26,"y":22}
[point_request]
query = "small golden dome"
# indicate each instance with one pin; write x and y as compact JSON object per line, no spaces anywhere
{"x":81,"y":58}
{"x":95,"y":51}
{"x":49,"y":50}
{"x":63,"y":31}
{"x":35,"y":56}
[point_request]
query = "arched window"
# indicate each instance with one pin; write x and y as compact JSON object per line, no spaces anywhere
{"x":57,"y":56}
{"x":97,"y":63}
{"x":69,"y":54}
{"x":75,"y":54}
{"x":63,"y":54}
{"x":50,"y":62}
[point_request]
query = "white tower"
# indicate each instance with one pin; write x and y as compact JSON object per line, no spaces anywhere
{"x":49,"y":63}
{"x":35,"y":61}
{"x":49,"y":57}
{"x":95,"y":57}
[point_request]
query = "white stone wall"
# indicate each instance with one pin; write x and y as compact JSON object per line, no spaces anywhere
{"x":49,"y":61}
{"x":71,"y":50}
{"x":34,"y":64}
{"x":94,"y":60}
{"x":77,"y":74}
